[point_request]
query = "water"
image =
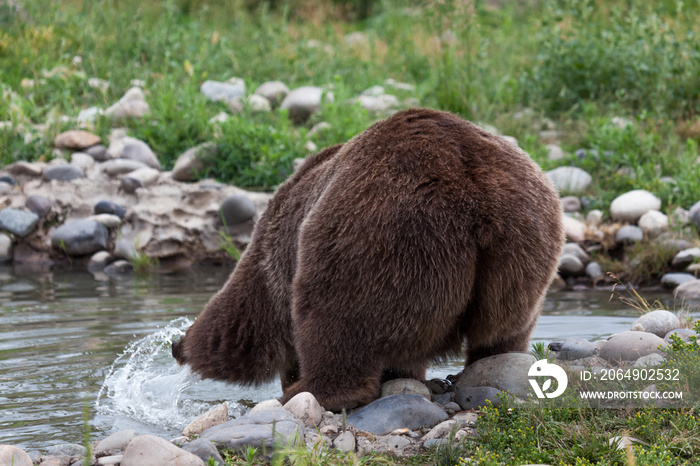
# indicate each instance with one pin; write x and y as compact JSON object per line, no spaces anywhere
{"x":70,"y":342}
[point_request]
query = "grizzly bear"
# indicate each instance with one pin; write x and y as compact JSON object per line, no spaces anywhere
{"x":417,"y":239}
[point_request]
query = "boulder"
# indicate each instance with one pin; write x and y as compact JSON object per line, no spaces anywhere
{"x":387,"y":414}
{"x":630,"y":206}
{"x":506,"y":372}
{"x":630,"y":346}
{"x":80,"y":237}
{"x":151,"y":450}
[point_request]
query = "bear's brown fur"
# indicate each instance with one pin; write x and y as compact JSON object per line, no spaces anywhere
{"x":382,"y":255}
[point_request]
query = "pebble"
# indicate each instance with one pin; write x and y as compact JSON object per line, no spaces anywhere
{"x":255,"y":429}
{"x":75,"y":140}
{"x":15,"y":456}
{"x":7,"y":179}
{"x":267,"y":404}
{"x":306,"y":408}
{"x":258,"y":104}
{"x":683,"y":333}
{"x":5,"y":248}
{"x":477,"y":397}
{"x":672,"y":280}
{"x":653,"y":222}
{"x":189,"y":164}
{"x":658,"y":322}
{"x":107,"y":207}
{"x":381,"y":104}
{"x":507,"y":371}
{"x":63,"y":173}
{"x":630,"y":346}
{"x":82,"y":161}
{"x":213,"y":417}
{"x":148,"y":450}
{"x":25,"y":168}
{"x":98,"y":152}
{"x":131,"y":105}
{"x":629,"y":234}
{"x":345,"y":441}
{"x":570,"y":203}
{"x":405,"y":386}
{"x":630,"y":206}
{"x":387,"y":414}
{"x":99,"y":261}
{"x":143,"y":177}
{"x":575,"y":229}
{"x":554,"y":152}
{"x":594,"y":271}
{"x":223,"y":91}
{"x":236,"y":209}
{"x":687,"y":290}
{"x":570,"y":266}
{"x":304,"y":101}
{"x":685,"y":257}
{"x":273,"y":91}
{"x":205,"y":450}
{"x":594,"y":217}
{"x":575,"y":249}
{"x":18,"y":222}
{"x":571,"y":180}
{"x":139,"y":151}
{"x":121,"y":166}
{"x":80,"y":237}
{"x":650,"y":360}
{"x":573,"y":348}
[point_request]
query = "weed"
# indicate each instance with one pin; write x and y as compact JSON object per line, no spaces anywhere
{"x":142,"y":263}
{"x":541,"y":351}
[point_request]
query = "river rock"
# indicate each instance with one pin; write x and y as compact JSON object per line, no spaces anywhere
{"x":5,"y":188}
{"x":142,"y":177}
{"x":257,"y":104}
{"x":190,"y":163}
{"x":18,"y":222}
{"x":653,"y":222}
{"x":477,"y":397}
{"x":273,"y":91}
{"x":82,"y":161}
{"x":67,"y":449}
{"x":575,"y":249}
{"x":223,"y":91}
{"x":99,"y":261}
{"x":657,"y":322}
{"x":111,"y":460}
{"x":306,"y":408}
{"x":7,"y":179}
{"x":650,"y":360}
{"x":405,"y":386}
{"x":107,"y":207}
{"x":236,"y":209}
{"x":63,"y":173}
{"x":508,"y":371}
{"x":149,"y":450}
{"x":108,"y":220}
{"x":75,"y":140}
{"x":572,"y":180}
{"x":688,"y":290}
{"x":25,"y":168}
{"x":629,"y":234}
{"x":255,"y":429}
{"x":570,"y":203}
{"x":213,"y":417}
{"x":267,"y":404}
{"x":121,"y":166}
{"x":387,"y":414}
{"x":116,"y":441}
{"x":5,"y":248}
{"x":630,"y":206}
{"x":80,"y":237}
{"x":594,"y":271}
{"x":14,"y":456}
{"x":138,"y":150}
{"x":575,"y":229}
{"x":554,"y":152}
{"x":694,"y":214}
{"x":381,"y":104}
{"x":55,"y":460}
{"x":672,"y":280}
{"x":630,"y":346}
{"x":303,"y":101}
{"x":205,"y":450}
{"x":98,"y":152}
{"x":685,"y":257}
{"x":345,"y":442}
{"x":131,"y":105}
{"x":594,"y":217}
{"x":119,"y":269}
{"x":570,"y":266}
{"x":683,"y":333}
{"x":573,"y":348}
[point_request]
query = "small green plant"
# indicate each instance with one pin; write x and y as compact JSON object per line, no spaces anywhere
{"x":447,"y":453}
{"x":540,"y":350}
{"x":143,"y":263}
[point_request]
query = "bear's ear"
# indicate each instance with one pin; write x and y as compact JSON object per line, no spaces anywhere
{"x":177,"y":351}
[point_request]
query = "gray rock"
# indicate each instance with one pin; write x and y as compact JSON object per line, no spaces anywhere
{"x":5,"y":188}
{"x":205,"y":450}
{"x":255,"y":429}
{"x":683,"y":333}
{"x":570,"y":266}
{"x":223,"y":91}
{"x":139,"y":151}
{"x":594,"y":217}
{"x":108,"y":220}
{"x":476,"y":397}
{"x":574,"y":229}
{"x":694,"y":214}
{"x":570,"y":203}
{"x":630,"y":346}
{"x":55,"y":460}
{"x":18,"y":222}
{"x":554,"y":152}
{"x":107,"y":207}
{"x":451,"y":407}
{"x":75,"y":140}
{"x":8,"y":180}
{"x":82,"y":161}
{"x":5,"y":248}
{"x":67,"y":449}
{"x":387,"y":414}
{"x":405,"y":386}
{"x":124,"y":249}
{"x":443,"y":398}
{"x":434,"y":442}
{"x":118,"y":167}
{"x":672,"y":280}
{"x":685,"y":257}
{"x":142,"y":177}
{"x":236,"y":209}
{"x":15,"y":456}
{"x":151,"y":450}
{"x":629,"y":234}
{"x":507,"y":371}
{"x":190,"y":164}
{"x":130,"y":185}
{"x":573,"y":348}
{"x":111,"y":460}
{"x":97,"y":152}
{"x":630,"y":206}
{"x":119,"y":269}
{"x":382,"y":104}
{"x":264,"y":405}
{"x":345,"y":441}
{"x":215,"y":416}
{"x":397,"y":442}
{"x":273,"y":91}
{"x":650,"y":360}
{"x":657,"y":322}
{"x":99,"y":261}
{"x":571,"y":180}
{"x":576,"y":250}
{"x":306,"y":408}
{"x":63,"y":173}
{"x":653,"y":222}
{"x":131,"y":105}
{"x":304,"y":101}
{"x":80,"y":237}
{"x":688,"y":290}
{"x":25,"y":168}
{"x":594,"y":271}
{"x":257,"y":104}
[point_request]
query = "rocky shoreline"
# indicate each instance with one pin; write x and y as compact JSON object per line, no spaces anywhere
{"x":409,"y":417}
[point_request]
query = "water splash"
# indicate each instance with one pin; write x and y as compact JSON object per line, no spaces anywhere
{"x":146,"y":384}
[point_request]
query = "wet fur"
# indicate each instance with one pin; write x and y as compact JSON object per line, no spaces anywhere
{"x":382,"y":255}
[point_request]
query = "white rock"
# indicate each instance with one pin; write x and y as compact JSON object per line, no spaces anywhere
{"x":273,"y":91}
{"x":82,"y":161}
{"x":570,"y":180}
{"x":151,"y":450}
{"x":657,"y":322}
{"x":630,"y":346}
{"x":570,"y":266}
{"x":117,"y":441}
{"x":441,"y":430}
{"x":594,"y":217}
{"x":653,"y":222}
{"x":306,"y":408}
{"x":576,"y":250}
{"x":345,"y":441}
{"x":303,"y":101}
{"x":131,"y":105}
{"x":630,"y":206}
{"x":554,"y":152}
{"x":575,"y":229}
{"x":213,"y":417}
{"x":265,"y":405}
{"x":14,"y":456}
{"x":379,"y":104}
{"x":5,"y":248}
{"x":108,"y":220}
{"x":685,"y":257}
{"x":508,"y":371}
{"x":258,"y":104}
{"x":405,"y":386}
{"x":223,"y":91}
{"x":650,"y":360}
{"x":146,"y":176}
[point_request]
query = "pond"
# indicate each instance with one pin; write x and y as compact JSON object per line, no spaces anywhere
{"x":75,"y":346}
